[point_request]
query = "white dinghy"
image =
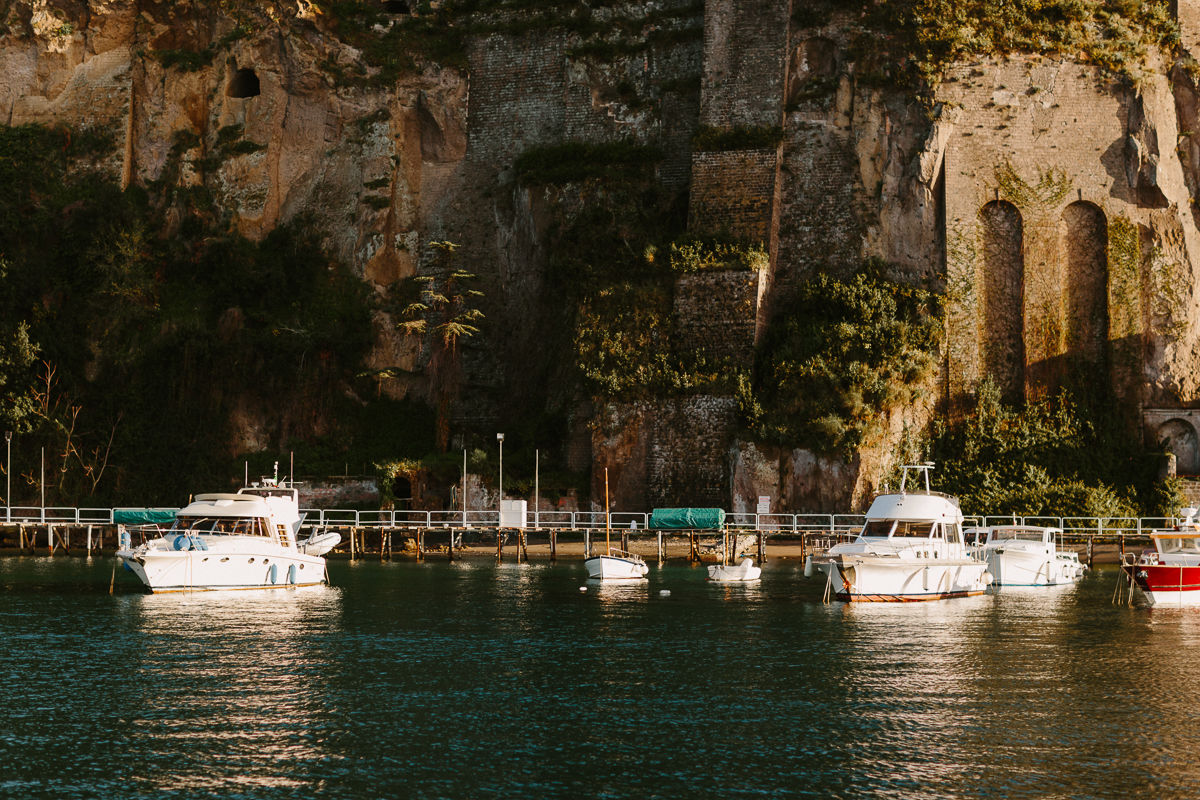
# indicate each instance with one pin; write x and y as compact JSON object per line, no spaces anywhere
{"x":741,"y":573}
{"x":614,"y":564}
{"x":229,"y":541}
{"x":911,"y":548}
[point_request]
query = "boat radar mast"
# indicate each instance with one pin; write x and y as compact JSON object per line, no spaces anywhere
{"x":923,"y":469}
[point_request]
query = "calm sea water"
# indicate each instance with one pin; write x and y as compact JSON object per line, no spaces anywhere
{"x":477,"y":680}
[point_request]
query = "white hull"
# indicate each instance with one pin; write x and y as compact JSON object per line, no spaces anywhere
{"x":616,"y":568}
{"x":1015,"y":568}
{"x":741,"y":573}
{"x":265,"y":566}
{"x":892,"y":580}
{"x":1169,"y":598}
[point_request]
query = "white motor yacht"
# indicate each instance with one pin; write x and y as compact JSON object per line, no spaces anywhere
{"x":1023,"y":555}
{"x":910,"y":548}
{"x":230,"y":541}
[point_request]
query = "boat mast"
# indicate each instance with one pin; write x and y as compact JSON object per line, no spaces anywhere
{"x":607,"y":514}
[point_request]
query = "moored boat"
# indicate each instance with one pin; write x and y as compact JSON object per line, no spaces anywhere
{"x":230,"y":541}
{"x":1170,"y":573}
{"x":910,"y":548}
{"x":744,"y":572}
{"x":1025,"y":555}
{"x":616,"y":565}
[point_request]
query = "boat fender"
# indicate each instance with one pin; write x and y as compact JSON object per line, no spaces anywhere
{"x":181,"y":543}
{"x":197,"y":543}
{"x":665,"y":593}
{"x":272,"y":574}
{"x":986,"y":578}
{"x":583,"y":588}
{"x":808,"y":567}
{"x":292,"y":575}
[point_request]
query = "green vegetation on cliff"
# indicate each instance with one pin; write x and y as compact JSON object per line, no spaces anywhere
{"x":1067,"y":455}
{"x":924,"y":36}
{"x":156,"y":327}
{"x":838,"y":359}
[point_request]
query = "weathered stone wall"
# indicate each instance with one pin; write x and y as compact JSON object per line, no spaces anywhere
{"x":715,"y":312}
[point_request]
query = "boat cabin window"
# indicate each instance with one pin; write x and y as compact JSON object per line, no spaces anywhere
{"x":221,"y":526}
{"x":878,"y":527}
{"x":951,"y":530}
{"x":913,"y":530}
{"x":1023,"y":534}
{"x":1182,"y":544}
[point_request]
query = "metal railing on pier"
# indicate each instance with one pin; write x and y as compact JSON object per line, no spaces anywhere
{"x":833,"y":525}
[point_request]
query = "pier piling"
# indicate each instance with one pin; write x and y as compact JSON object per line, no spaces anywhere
{"x":553,"y":546}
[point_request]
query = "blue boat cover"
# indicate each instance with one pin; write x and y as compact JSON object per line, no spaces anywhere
{"x":706,"y":518}
{"x":143,"y":516}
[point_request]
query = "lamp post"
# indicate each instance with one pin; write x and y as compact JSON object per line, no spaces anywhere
{"x":8,"y":480}
{"x":500,"y":519}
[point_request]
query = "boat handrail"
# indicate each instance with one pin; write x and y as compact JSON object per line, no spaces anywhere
{"x":615,"y":553}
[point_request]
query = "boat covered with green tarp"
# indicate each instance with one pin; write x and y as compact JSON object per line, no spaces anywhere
{"x":706,"y":518}
{"x":143,"y":516}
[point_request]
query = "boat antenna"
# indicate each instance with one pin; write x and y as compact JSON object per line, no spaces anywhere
{"x":607,"y":514}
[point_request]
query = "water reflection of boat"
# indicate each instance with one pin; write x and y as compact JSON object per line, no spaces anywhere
{"x":1023,"y":555}
{"x":229,"y":541}
{"x":910,"y":548}
{"x":729,"y":573}
{"x":1170,"y":573}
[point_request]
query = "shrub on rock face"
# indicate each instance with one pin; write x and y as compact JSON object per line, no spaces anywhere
{"x":838,"y":359}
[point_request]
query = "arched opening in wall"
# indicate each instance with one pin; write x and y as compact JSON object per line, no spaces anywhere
{"x":1085,"y":247}
{"x":1002,"y":297}
{"x":812,"y":71}
{"x":244,"y":83}
{"x":395,"y":7}
{"x":1180,"y":438}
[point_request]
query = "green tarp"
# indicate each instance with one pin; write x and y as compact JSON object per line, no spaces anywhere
{"x":143,"y":516}
{"x":708,"y":518}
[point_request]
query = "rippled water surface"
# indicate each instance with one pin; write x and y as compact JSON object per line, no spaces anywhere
{"x":477,"y":680}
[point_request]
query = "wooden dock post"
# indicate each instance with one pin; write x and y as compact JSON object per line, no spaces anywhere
{"x":89,"y":540}
{"x":762,"y":548}
{"x":553,"y":546}
{"x":499,"y":544}
{"x":1089,"y":553}
{"x":693,"y":550}
{"x":50,"y":537}
{"x":21,"y":538}
{"x":662,"y":554}
{"x":524,"y":540}
{"x":625,"y":540}
{"x":351,"y":542}
{"x":587,"y":543}
{"x":420,"y":544}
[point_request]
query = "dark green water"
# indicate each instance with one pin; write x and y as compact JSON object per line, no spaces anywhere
{"x":473,"y":680}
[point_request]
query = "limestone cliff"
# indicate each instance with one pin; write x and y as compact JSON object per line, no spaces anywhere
{"x":1051,"y":201}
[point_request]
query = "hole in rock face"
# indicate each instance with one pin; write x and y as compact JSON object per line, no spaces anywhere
{"x":395,"y":6}
{"x":243,"y":84}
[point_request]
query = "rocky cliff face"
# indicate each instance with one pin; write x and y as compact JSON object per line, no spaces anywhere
{"x":1053,"y":203}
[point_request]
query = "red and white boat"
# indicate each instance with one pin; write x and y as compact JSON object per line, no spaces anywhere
{"x":1169,"y":575}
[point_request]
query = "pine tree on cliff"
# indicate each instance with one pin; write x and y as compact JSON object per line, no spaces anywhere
{"x":447,"y":301}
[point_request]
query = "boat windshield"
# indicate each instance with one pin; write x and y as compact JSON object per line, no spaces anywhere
{"x":913,"y":530}
{"x":1024,"y":534}
{"x":881,"y":528}
{"x":221,"y":526}
{"x":1183,"y":544}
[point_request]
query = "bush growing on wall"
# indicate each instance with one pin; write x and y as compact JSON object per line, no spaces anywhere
{"x":837,"y":359}
{"x":1067,"y":455}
